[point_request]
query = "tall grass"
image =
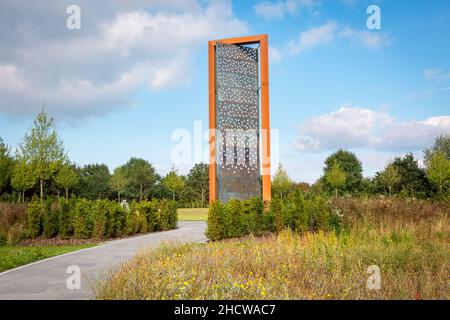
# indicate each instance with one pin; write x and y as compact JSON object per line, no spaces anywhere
{"x":12,"y":222}
{"x":408,"y":240}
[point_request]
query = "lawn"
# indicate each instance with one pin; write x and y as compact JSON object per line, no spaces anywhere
{"x":15,"y":256}
{"x":409,"y":241}
{"x":195,"y":214}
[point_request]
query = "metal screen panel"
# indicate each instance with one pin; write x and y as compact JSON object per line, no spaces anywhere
{"x":237,"y":111}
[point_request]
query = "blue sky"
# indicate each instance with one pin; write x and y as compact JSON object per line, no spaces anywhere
{"x":135,"y":73}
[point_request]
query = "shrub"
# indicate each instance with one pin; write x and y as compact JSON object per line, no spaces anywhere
{"x":168,"y":214}
{"x":239,"y":218}
{"x":83,"y":222}
{"x":215,"y":224}
{"x":276,"y":206}
{"x":136,"y":220}
{"x":99,"y":228}
{"x":233,"y":220}
{"x":300,"y":216}
{"x":50,"y":221}
{"x":115,"y":221}
{"x":65,"y":220}
{"x":83,"y":219}
{"x":34,"y":219}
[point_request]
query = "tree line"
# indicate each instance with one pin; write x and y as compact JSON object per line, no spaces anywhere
{"x":42,"y":168}
{"x":343,"y":174}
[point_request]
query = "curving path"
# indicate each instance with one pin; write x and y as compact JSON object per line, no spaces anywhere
{"x":46,"y":279}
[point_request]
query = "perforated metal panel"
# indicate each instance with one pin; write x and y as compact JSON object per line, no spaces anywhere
{"x":237,"y":110}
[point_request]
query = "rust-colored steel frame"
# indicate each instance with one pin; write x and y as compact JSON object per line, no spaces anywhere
{"x":262,"y":40}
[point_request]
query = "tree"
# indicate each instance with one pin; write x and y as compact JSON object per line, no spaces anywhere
{"x":6,"y":166}
{"x":352,"y":167}
{"x":438,"y":170}
{"x":336,"y":177}
{"x":23,"y":178}
{"x":95,"y":182}
{"x":43,"y":149}
{"x":141,"y":178}
{"x":197,"y":183}
{"x":67,"y":178}
{"x":388,"y":178}
{"x":173,"y":182}
{"x":119,"y":181}
{"x":413,"y":180}
{"x":281,"y":182}
{"x":441,"y":143}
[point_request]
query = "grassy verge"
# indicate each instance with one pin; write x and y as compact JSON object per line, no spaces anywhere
{"x":196,"y":214}
{"x":412,"y":252}
{"x":15,"y":256}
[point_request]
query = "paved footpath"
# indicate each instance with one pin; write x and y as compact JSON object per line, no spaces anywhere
{"x":46,"y":279}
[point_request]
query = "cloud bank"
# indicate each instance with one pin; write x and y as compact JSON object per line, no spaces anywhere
{"x":120,"y":48}
{"x":358,"y":128}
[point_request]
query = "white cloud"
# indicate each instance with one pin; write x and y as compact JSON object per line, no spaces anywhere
{"x":436,"y":74}
{"x":359,"y":128}
{"x":313,"y":37}
{"x":98,"y":68}
{"x":278,"y":9}
{"x":368,"y":39}
{"x":275,"y":55}
{"x":270,"y":10}
{"x":328,"y":32}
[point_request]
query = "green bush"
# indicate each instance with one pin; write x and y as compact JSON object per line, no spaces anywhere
{"x":65,"y":220}
{"x":239,"y":218}
{"x":34,"y":215}
{"x":50,"y":221}
{"x":83,"y":219}
{"x":101,"y":212}
{"x":215,"y":224}
{"x":168,"y":214}
{"x":276,"y":206}
{"x":136,"y":219}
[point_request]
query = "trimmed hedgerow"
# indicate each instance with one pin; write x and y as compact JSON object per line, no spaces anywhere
{"x":299,"y":213}
{"x":85,"y":219}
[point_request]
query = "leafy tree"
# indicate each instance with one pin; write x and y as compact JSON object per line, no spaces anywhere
{"x":6,"y":166}
{"x":352,"y":167}
{"x":438,"y":170}
{"x":67,"y":178}
{"x":441,"y":143}
{"x":281,"y":182}
{"x":388,"y":178}
{"x":119,"y":181}
{"x":173,"y":182}
{"x":141,"y":178}
{"x":336,"y":177}
{"x":197,"y":183}
{"x":95,"y":182}
{"x":43,"y":149}
{"x":23,"y":178}
{"x":413,"y":180}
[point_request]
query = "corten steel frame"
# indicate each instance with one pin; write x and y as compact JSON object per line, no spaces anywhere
{"x":262,"y":40}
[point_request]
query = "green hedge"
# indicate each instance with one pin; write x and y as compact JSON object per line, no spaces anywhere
{"x":86,"y":219}
{"x":299,"y":213}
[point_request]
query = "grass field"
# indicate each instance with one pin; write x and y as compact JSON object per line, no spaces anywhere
{"x":196,"y":214}
{"x":15,"y":256}
{"x":408,"y":240}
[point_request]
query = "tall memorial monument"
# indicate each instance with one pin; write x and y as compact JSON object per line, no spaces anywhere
{"x":239,"y":138}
